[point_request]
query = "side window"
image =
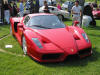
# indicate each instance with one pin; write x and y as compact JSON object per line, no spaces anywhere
{"x":27,"y":18}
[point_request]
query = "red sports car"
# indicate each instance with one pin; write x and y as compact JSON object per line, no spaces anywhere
{"x":96,"y":13}
{"x":46,"y":39}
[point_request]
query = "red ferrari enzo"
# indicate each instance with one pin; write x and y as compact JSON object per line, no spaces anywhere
{"x":46,"y":39}
{"x":96,"y":13}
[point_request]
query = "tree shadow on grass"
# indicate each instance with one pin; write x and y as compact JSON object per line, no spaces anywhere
{"x":75,"y":62}
{"x":93,"y":28}
{"x":67,"y":20}
{"x":95,"y":35}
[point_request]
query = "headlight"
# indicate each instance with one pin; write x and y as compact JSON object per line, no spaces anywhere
{"x":85,"y":37}
{"x":37,"y":42}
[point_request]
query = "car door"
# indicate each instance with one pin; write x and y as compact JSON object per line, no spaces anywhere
{"x":22,"y":27}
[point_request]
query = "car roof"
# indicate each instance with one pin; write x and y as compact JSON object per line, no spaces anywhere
{"x":39,"y":14}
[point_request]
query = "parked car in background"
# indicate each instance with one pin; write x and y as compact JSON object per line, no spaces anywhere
{"x":96,"y":13}
{"x":68,"y":5}
{"x":62,"y":14}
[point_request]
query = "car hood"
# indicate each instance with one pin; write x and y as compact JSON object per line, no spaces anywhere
{"x":95,"y":12}
{"x":60,"y":37}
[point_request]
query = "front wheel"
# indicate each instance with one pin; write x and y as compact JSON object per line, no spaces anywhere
{"x":24,"y":46}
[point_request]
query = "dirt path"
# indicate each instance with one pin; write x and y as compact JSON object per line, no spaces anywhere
{"x":4,"y":36}
{"x":4,"y":51}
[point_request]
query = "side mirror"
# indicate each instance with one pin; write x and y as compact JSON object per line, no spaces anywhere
{"x":20,"y":25}
{"x":75,"y":23}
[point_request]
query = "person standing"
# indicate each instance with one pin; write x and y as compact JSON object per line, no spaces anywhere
{"x":21,"y":9}
{"x":15,"y":10}
{"x":46,"y":9}
{"x":76,"y":12}
{"x":11,"y":9}
{"x":37,"y":6}
{"x":32,"y":6}
{"x":58,"y":6}
{"x":6,"y":12}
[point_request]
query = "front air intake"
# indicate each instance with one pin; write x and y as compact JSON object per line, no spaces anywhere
{"x":51,"y":56}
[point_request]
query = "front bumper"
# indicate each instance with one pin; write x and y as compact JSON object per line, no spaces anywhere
{"x":97,"y":16}
{"x":59,"y":57}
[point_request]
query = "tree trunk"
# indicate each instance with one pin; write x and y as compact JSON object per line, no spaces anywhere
{"x":82,"y":5}
{"x":2,"y":11}
{"x":95,"y":1}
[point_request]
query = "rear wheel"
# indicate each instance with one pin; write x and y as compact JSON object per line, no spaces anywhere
{"x":24,"y":46}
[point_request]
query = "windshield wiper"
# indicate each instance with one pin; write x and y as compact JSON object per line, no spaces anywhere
{"x":41,"y":26}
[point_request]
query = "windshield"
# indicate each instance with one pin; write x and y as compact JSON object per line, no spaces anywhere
{"x":45,"y":22}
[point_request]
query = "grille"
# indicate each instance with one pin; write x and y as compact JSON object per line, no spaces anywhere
{"x":72,"y":57}
{"x":51,"y":56}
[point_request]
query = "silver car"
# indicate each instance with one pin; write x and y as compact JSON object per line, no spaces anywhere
{"x":62,"y":14}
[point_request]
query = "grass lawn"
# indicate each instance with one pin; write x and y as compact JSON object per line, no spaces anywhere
{"x":19,"y":65}
{"x":4,"y":30}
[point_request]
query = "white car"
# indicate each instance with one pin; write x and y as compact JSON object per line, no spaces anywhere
{"x":62,"y":14}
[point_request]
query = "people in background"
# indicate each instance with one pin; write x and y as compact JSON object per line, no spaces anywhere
{"x":70,"y":7}
{"x":88,"y":11}
{"x":58,"y":6}
{"x":37,"y":6}
{"x":46,"y":9}
{"x":32,"y":6}
{"x":21,"y":9}
{"x":95,"y":5}
{"x":76,"y":12}
{"x":27,"y":5}
{"x":15,"y":9}
{"x":6,"y":12}
{"x":41,"y":3}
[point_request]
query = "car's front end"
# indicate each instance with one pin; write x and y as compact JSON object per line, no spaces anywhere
{"x":96,"y":13}
{"x":53,"y":46}
{"x":82,"y":40}
{"x":49,"y":40}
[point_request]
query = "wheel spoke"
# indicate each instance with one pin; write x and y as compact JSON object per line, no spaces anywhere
{"x":24,"y":46}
